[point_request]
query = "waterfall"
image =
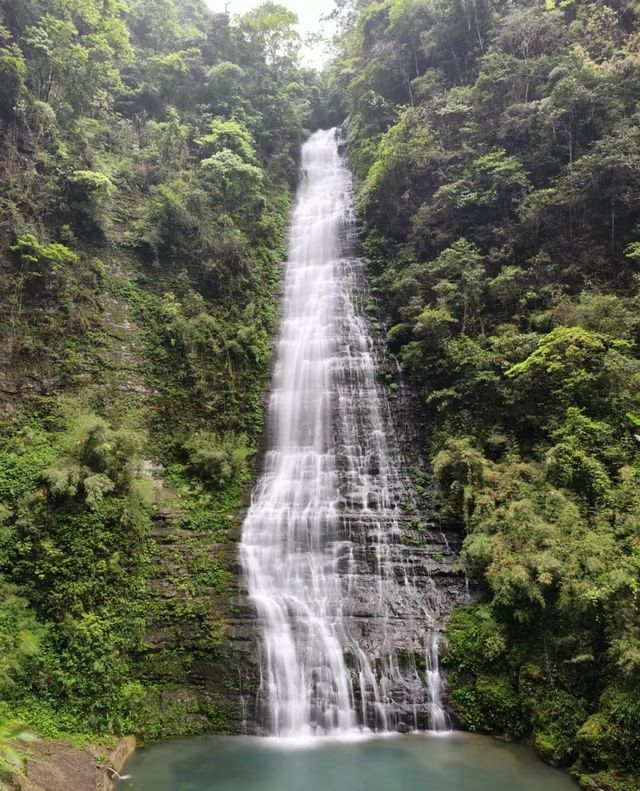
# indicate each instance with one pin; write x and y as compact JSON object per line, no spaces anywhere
{"x":347,"y":614}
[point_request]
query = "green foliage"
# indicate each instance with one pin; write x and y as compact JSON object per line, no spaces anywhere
{"x":557,"y":716}
{"x":73,"y":543}
{"x":49,"y":263}
{"x":483,"y":701}
{"x":573,"y":366}
{"x":270,"y":28}
{"x":89,"y":201}
{"x":147,"y":152}
{"x":495,"y":149}
{"x":24,"y":454}
{"x":217,"y":459}
{"x":232,"y":181}
{"x":229,"y":135}
{"x":20,"y":637}
{"x":12,"y":736}
{"x":13,"y":70}
{"x":97,"y":461}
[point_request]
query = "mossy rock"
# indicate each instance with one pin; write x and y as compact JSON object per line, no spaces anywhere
{"x":501,"y":705}
{"x":551,"y":747}
{"x":562,"y":715}
{"x":607,"y":781}
{"x":594,"y":734}
{"x":490,"y":705}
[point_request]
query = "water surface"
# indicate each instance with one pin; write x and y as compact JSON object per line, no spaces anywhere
{"x":420,"y":762}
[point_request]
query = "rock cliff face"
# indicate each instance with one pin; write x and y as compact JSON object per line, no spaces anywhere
{"x":201,"y":655}
{"x":60,"y":766}
{"x":394,"y":579}
{"x":352,"y":578}
{"x":421,"y":557}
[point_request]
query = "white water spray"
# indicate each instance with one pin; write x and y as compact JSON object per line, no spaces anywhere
{"x":321,"y":546}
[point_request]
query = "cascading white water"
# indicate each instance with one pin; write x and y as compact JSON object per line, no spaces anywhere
{"x":321,"y":546}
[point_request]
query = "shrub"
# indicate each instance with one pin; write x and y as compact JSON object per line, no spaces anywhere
{"x":218,"y":458}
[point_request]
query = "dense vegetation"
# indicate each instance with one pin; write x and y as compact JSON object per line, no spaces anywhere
{"x":147,"y":154}
{"x":496,"y":146}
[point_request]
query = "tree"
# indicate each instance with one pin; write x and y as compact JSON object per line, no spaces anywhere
{"x":232,"y":181}
{"x":89,"y":198}
{"x":13,"y":70}
{"x":229,"y":135}
{"x":270,"y":28}
{"x":575,"y":367}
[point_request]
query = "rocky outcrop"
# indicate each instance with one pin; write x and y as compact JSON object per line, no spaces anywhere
{"x":109,"y":770}
{"x":200,"y":657}
{"x":59,"y":766}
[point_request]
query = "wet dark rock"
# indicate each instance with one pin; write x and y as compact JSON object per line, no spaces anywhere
{"x":214,"y":659}
{"x":201,"y":648}
{"x":392,"y":568}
